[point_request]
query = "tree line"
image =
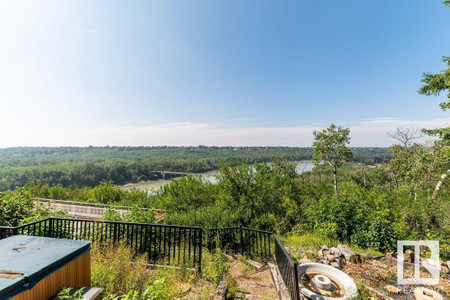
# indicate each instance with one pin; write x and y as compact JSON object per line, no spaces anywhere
{"x":89,"y":166}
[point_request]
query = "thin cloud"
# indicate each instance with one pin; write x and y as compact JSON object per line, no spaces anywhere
{"x":371,"y":132}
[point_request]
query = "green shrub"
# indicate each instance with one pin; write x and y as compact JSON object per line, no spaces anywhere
{"x":231,"y":289}
{"x":17,"y":207}
{"x":214,"y":266}
{"x":117,"y":270}
{"x":379,"y":236}
{"x":329,"y":230}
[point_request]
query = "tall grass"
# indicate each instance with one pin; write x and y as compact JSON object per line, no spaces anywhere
{"x":126,"y":276}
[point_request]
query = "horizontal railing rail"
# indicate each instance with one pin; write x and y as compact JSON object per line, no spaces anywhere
{"x":6,"y":231}
{"x":170,"y":244}
{"x":93,"y":204}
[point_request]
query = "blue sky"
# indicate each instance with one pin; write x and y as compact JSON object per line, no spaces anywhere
{"x":216,"y":72}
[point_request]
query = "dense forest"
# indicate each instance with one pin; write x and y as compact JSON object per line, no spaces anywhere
{"x":89,"y":166}
{"x":373,"y":210}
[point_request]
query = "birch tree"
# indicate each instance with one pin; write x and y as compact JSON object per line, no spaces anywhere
{"x":330,"y":146}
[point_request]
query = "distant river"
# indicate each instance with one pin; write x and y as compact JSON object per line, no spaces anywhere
{"x":154,"y":185}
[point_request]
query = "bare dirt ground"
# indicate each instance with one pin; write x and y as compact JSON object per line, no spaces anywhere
{"x":377,"y":274}
{"x":252,"y":283}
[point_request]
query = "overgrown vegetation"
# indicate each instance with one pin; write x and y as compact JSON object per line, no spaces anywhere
{"x":126,"y":276}
{"x":376,"y":205}
{"x":17,"y":208}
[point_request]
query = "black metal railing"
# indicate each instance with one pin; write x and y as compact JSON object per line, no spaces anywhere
{"x":6,"y":231}
{"x":170,"y":244}
{"x":257,"y":243}
{"x":247,"y":241}
{"x":288,"y":269}
{"x":166,"y":244}
{"x":37,"y":228}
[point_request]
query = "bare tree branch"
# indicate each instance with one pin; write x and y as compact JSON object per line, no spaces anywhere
{"x":406,"y":136}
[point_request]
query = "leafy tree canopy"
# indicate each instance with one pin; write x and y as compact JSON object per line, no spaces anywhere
{"x":330,"y":145}
{"x":434,"y":84}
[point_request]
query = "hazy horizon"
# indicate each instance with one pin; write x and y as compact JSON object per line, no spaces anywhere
{"x":369,"y":134}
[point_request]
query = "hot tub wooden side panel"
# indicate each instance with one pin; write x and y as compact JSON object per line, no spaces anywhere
{"x":75,"y":274}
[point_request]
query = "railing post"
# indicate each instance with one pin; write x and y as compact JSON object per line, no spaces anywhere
{"x":296,"y":289}
{"x":14,"y":230}
{"x":50,"y":228}
{"x":241,"y":244}
{"x":200,"y":251}
{"x":115,"y":239}
{"x":270,"y":241}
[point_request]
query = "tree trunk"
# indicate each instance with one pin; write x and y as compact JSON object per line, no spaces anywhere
{"x":439,"y":184}
{"x":364,"y":171}
{"x":335,"y":180}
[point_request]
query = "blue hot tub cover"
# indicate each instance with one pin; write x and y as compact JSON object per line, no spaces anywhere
{"x":33,"y":258}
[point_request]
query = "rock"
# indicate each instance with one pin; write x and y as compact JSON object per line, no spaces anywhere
{"x":346,"y":251}
{"x":422,"y":293}
{"x":336,"y":264}
{"x":409,"y":256}
{"x":349,"y":254}
{"x":323,"y":251}
{"x":333,"y":256}
{"x":444,"y":267}
{"x":184,"y":287}
{"x":330,"y":257}
{"x":335,"y":252}
{"x":392,"y":289}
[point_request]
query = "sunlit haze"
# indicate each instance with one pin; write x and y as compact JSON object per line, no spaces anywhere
{"x":216,"y":73}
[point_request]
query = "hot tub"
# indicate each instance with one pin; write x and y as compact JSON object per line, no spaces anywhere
{"x":37,"y":268}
